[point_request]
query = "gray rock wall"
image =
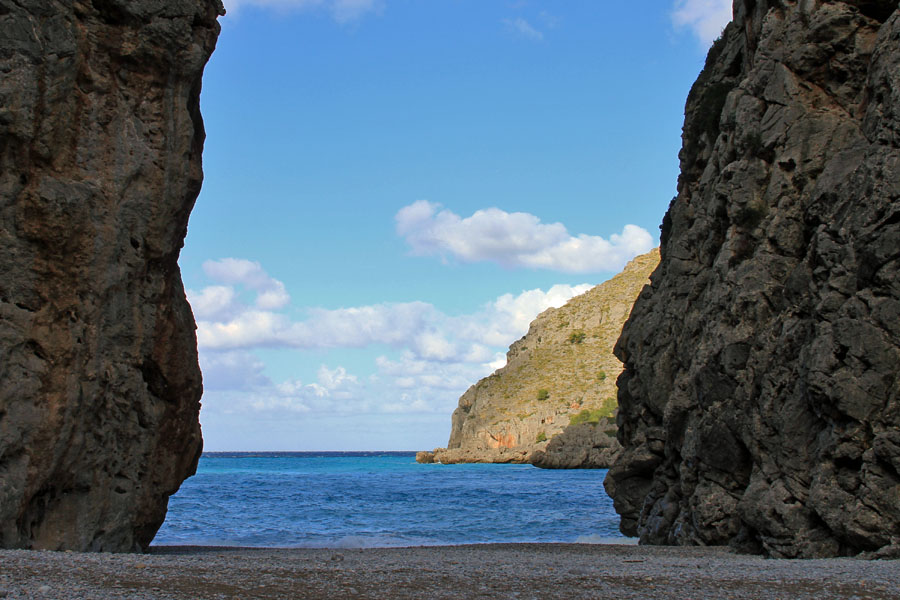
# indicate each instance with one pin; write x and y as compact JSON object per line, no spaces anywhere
{"x":581,"y":446}
{"x":759,"y":402}
{"x":100,"y":147}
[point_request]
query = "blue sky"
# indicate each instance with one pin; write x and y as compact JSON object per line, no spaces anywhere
{"x":395,"y":188}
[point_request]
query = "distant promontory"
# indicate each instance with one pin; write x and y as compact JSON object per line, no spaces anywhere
{"x":560,"y":377}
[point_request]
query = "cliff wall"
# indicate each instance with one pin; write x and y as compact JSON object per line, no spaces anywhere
{"x":759,"y":402}
{"x":100,"y":148}
{"x":563,"y":367}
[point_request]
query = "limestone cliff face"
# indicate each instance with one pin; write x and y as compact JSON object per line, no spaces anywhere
{"x":563,"y":366}
{"x":100,"y":144}
{"x":759,"y":403}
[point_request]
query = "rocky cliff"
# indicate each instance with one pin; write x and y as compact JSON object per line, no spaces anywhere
{"x":759,"y":402}
{"x":563,"y":369}
{"x":100,"y":144}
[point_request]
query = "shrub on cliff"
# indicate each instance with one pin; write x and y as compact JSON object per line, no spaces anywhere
{"x":587,"y":416}
{"x":576,"y":337}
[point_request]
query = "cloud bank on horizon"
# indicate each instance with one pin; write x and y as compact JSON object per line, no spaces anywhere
{"x":706,"y":18}
{"x":515,"y":240}
{"x":439,"y":355}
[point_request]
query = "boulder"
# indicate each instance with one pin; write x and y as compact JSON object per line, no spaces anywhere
{"x":581,"y":446}
{"x":425,"y":457}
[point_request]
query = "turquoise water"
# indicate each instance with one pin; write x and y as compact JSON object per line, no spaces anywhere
{"x":377,"y":499}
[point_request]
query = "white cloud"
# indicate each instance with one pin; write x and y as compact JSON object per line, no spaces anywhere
{"x":434,"y":358}
{"x":508,"y":317}
{"x":235,"y":370}
{"x":334,"y":392}
{"x":515,"y":240}
{"x":706,"y":18}
{"x":434,"y":345}
{"x":251,"y":328}
{"x":523,"y":28}
{"x":224,"y":323}
{"x":271,"y":293}
{"x":335,"y":379}
{"x":424,"y":373}
{"x":213,"y":302}
{"x":405,"y":382}
{"x":392,"y":324}
{"x":342,"y":11}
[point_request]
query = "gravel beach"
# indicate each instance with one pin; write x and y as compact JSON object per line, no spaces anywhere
{"x":526,"y":571}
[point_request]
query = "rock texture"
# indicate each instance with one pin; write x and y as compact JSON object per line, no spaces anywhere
{"x":563,"y":367}
{"x":581,"y":446}
{"x":100,"y":144}
{"x":759,"y":403}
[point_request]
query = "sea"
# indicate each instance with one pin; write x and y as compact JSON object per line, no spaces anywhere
{"x":380,"y":500}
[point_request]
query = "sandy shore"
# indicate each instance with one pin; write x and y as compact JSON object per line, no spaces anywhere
{"x":526,"y":571}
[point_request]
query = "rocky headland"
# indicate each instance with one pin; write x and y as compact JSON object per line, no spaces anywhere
{"x":760,"y":402}
{"x":100,"y":149}
{"x":554,"y":398}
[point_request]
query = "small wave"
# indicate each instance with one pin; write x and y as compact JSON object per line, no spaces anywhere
{"x":373,"y":541}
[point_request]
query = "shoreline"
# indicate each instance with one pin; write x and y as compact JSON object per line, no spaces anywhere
{"x":527,"y":570}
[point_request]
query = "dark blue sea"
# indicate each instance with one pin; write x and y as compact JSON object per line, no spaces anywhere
{"x":382,"y":499}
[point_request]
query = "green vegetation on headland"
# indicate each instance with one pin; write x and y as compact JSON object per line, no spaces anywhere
{"x":562,"y":366}
{"x":587,"y":416}
{"x":577,"y":337}
{"x":606,"y":411}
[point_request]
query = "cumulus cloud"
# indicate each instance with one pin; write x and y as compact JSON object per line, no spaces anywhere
{"x":356,"y":327}
{"x":432,"y":388}
{"x":507,"y":318}
{"x":224,"y":323}
{"x":332,"y":391}
{"x":271,"y":293}
{"x":235,"y":370}
{"x":342,"y":11}
{"x":706,"y":18}
{"x":429,"y":357}
{"x":523,"y":28}
{"x":417,"y":384}
{"x":250,"y":328}
{"x":213,"y":302}
{"x":414,"y":371}
{"x":515,"y":240}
